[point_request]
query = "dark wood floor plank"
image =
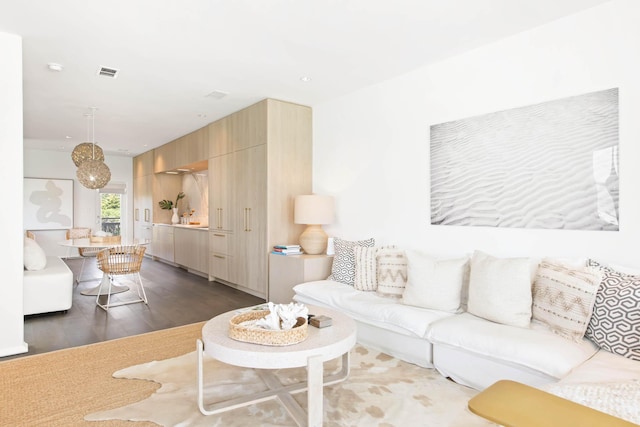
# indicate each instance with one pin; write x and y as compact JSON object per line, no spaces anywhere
{"x":176,"y":297}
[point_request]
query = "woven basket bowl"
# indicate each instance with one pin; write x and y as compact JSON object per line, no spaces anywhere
{"x":294,"y":335}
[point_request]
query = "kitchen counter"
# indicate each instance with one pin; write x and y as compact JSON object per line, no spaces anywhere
{"x":192,"y":226}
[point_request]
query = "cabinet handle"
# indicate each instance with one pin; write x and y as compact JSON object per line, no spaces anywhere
{"x":218,"y":235}
{"x":147,"y":216}
{"x":247,"y":219}
{"x":219,"y":225}
{"x":219,"y":256}
{"x":137,"y":216}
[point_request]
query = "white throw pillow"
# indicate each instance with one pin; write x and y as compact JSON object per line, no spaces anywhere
{"x":500,"y":289}
{"x":34,"y":256}
{"x":433,"y":283}
{"x":365,"y":270}
{"x":563,"y":297}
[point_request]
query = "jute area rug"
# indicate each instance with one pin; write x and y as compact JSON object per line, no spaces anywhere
{"x":63,"y":387}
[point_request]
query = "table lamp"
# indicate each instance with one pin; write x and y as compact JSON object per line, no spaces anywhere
{"x":313,"y":210}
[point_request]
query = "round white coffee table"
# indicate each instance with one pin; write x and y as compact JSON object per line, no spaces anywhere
{"x":321,"y":345}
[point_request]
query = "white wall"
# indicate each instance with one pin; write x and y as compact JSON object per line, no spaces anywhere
{"x":11,"y":308}
{"x":371,"y":147}
{"x":57,"y":164}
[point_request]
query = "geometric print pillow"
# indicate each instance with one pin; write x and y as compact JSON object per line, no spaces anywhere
{"x":343,"y":269}
{"x":615,"y":322}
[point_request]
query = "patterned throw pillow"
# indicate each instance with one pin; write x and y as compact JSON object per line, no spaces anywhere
{"x":365,"y":271}
{"x":344,"y":262}
{"x":392,"y":272}
{"x":615,"y":322}
{"x":563,"y":297}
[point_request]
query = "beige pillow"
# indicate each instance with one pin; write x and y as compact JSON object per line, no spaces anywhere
{"x":500,"y":289}
{"x":365,"y":269}
{"x":563,"y":297}
{"x":391,"y":272}
{"x":434,"y":283}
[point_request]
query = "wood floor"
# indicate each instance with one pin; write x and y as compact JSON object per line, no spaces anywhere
{"x":175,"y":297}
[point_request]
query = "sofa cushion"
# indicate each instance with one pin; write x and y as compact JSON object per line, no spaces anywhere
{"x":34,"y":257}
{"x":500,"y":289}
{"x":615,"y":322}
{"x":391,"y":272}
{"x":563,"y":297}
{"x":535,"y":347}
{"x":344,"y":263}
{"x":369,"y":307}
{"x":434,"y":283}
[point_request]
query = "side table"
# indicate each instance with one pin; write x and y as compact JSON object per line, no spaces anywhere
{"x":286,"y":271}
{"x":320,"y":346}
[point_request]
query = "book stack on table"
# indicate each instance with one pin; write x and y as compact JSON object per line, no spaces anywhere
{"x":287,"y":250}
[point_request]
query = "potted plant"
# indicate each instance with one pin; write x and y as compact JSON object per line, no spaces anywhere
{"x":170,"y":205}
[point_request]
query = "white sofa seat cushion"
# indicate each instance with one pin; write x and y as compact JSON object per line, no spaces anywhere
{"x":536,"y":347}
{"x":369,"y":307}
{"x":49,"y":289}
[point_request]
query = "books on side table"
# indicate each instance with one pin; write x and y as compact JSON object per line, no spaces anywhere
{"x":287,"y":250}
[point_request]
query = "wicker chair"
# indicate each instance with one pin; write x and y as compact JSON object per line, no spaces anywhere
{"x":82,"y":233}
{"x":120,"y":261}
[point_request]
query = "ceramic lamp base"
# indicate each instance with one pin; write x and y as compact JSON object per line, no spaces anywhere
{"x":314,"y":240}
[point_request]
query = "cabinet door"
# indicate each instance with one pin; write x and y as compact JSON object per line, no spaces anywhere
{"x":192,"y":148}
{"x":249,"y":264}
{"x":142,"y":203}
{"x":248,"y":127}
{"x":218,"y":135}
{"x":221,"y":193}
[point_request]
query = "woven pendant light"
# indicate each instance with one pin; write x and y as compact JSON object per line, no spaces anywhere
{"x":84,"y":152}
{"x":92,"y":172}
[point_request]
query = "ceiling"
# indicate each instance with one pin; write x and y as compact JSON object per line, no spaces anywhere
{"x":172,"y":54}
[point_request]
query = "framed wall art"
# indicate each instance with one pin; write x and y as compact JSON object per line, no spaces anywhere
{"x":552,"y":165}
{"x":48,"y":204}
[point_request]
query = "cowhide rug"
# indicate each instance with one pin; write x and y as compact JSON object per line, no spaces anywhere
{"x":380,"y":391}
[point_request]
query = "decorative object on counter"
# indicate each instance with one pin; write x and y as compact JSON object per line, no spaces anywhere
{"x":170,"y":205}
{"x":287,"y":250}
{"x":279,"y":325}
{"x":192,"y":222}
{"x":313,"y":210}
{"x":92,"y":172}
{"x":320,"y":321}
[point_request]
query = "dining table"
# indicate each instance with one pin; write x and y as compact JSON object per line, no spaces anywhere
{"x":88,"y":243}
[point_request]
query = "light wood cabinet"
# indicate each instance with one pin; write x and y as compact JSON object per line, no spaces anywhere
{"x":257,"y":183}
{"x":192,"y":148}
{"x":191,"y":249}
{"x":287,"y":271}
{"x":164,"y":158}
{"x":163,"y":243}
{"x":143,"y":198}
{"x":219,"y":140}
{"x":143,"y":164}
{"x":221,"y":197}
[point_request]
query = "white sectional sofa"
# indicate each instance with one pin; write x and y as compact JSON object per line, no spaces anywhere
{"x":47,"y":281}
{"x":471,"y":349}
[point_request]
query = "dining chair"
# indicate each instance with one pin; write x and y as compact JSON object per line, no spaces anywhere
{"x":120,"y":261}
{"x":81,"y":233}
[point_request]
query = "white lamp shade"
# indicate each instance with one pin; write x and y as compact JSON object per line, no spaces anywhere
{"x":313,"y":209}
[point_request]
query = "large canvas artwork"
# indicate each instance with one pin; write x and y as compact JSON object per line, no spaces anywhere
{"x":48,"y":204}
{"x":552,"y":165}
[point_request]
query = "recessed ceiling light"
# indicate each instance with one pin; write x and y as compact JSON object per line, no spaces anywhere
{"x":305,"y":79}
{"x":217,"y":94}
{"x":171,"y":173}
{"x":54,"y":67}
{"x":68,"y":137}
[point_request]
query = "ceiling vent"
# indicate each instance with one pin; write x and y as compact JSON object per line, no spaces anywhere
{"x":217,"y":94}
{"x":108,"y":72}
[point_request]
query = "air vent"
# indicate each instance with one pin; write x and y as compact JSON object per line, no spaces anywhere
{"x":108,"y":72}
{"x":217,"y":94}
